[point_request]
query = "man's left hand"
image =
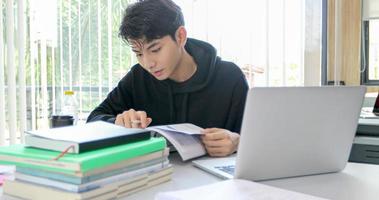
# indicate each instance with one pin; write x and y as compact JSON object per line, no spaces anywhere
{"x":220,"y":142}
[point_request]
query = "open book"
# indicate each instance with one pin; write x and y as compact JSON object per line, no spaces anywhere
{"x":184,"y":137}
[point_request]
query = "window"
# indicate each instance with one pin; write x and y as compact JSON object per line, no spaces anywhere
{"x":370,"y":43}
{"x":370,"y":52}
{"x":278,"y":41}
{"x":68,"y":44}
{"x":74,"y":44}
{"x":84,"y":53}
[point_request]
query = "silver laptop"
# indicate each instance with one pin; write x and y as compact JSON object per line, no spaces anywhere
{"x":293,"y":131}
{"x":371,"y":112}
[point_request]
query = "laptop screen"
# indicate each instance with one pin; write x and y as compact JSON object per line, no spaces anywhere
{"x":376,"y":106}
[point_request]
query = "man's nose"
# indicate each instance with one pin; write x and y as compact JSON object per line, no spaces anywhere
{"x":149,"y":63}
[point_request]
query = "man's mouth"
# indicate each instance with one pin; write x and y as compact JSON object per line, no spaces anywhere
{"x":158,"y":73}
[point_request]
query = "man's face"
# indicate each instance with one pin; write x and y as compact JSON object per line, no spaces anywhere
{"x":160,"y":57}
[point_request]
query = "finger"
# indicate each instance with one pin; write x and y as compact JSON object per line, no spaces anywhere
{"x":126,"y":120}
{"x":134,"y":119}
{"x":218,"y":154}
{"x":142,"y":118}
{"x":149,"y":120}
{"x":210,"y":130}
{"x":119,"y":120}
{"x":214,"y":136}
{"x":216,"y":143}
{"x":216,"y":151}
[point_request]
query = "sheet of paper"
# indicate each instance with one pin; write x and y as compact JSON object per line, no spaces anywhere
{"x":7,"y":169}
{"x":235,"y":189}
{"x":6,"y":172}
{"x":188,"y":146}
{"x":2,"y":178}
{"x":185,"y":128}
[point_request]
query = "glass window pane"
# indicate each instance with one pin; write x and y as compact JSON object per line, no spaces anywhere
{"x":373,"y":50}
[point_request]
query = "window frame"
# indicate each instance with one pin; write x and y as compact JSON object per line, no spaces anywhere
{"x":365,"y":70}
{"x":324,"y":43}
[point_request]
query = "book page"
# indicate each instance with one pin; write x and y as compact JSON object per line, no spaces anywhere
{"x":6,"y":172}
{"x":7,"y":169}
{"x":189,"y":146}
{"x":185,"y":128}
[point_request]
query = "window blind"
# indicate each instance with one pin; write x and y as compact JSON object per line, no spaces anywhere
{"x":74,"y":44}
{"x":370,"y":9}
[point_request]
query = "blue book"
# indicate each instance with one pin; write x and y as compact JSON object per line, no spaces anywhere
{"x":71,"y":179}
{"x":122,"y":177}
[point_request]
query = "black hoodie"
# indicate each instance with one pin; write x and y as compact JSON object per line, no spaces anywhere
{"x":213,"y":97}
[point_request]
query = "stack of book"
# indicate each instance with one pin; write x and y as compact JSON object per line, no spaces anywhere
{"x":82,"y":171}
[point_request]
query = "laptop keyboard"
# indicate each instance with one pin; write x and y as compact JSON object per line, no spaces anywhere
{"x":227,"y":169}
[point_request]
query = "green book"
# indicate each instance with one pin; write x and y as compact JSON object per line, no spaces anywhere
{"x":22,"y":156}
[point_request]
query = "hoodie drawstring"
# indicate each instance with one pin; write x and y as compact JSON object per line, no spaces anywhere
{"x":184,"y":113}
{"x":171,"y":103}
{"x":184,"y":108}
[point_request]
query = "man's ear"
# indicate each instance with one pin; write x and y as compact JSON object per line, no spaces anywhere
{"x":181,"y":36}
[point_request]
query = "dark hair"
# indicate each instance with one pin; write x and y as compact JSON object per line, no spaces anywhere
{"x":151,"y":19}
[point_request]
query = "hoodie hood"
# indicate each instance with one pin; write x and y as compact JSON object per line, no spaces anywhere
{"x":205,"y":57}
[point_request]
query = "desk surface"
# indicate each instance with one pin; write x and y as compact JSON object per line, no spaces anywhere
{"x":356,"y":181}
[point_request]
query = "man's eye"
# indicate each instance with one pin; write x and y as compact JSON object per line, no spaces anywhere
{"x":138,"y":54}
{"x":156,"y":50}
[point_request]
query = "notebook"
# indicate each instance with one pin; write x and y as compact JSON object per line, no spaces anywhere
{"x":293,"y":131}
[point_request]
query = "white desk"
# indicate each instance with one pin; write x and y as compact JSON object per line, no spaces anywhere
{"x":357,"y":181}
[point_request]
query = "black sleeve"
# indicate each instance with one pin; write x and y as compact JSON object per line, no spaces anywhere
{"x":118,"y":100}
{"x":237,"y":107}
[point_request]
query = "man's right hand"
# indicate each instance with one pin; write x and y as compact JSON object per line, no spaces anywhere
{"x":133,"y":119}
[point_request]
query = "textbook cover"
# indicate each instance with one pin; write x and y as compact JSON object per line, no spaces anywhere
{"x":83,"y":138}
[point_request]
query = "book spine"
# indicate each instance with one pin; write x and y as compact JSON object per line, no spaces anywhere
{"x":41,"y":167}
{"x":13,"y":160}
{"x":26,"y":190}
{"x":116,"y":179}
{"x":81,"y":180}
{"x":44,"y":143}
{"x":139,"y":149}
{"x":114,"y":141}
{"x":50,"y":174}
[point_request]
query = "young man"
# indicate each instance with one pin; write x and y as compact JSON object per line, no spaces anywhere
{"x":176,"y":80}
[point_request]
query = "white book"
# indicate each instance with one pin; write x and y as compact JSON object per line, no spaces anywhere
{"x":91,"y":185}
{"x":151,"y":180}
{"x":31,"y":191}
{"x":184,"y":137}
{"x":150,"y":183}
{"x":7,"y":169}
{"x":85,"y":137}
{"x":114,"y":190}
{"x":235,"y":189}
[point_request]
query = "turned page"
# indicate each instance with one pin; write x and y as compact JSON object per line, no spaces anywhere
{"x":184,"y":137}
